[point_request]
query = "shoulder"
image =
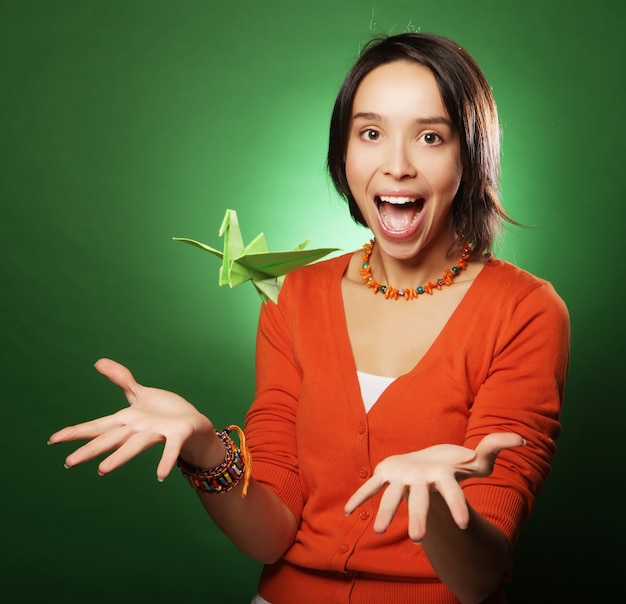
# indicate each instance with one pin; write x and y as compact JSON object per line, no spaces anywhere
{"x":515,"y":282}
{"x":498,"y":269}
{"x":328,"y":267}
{"x":305,"y":288}
{"x":318,"y":276}
{"x":516,"y":294}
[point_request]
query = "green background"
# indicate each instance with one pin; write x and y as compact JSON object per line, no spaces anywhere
{"x":125,"y":123}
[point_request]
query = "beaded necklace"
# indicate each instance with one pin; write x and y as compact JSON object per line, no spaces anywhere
{"x":391,"y":292}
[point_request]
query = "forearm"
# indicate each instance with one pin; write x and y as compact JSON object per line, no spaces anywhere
{"x":260,"y":524}
{"x":471,"y":561}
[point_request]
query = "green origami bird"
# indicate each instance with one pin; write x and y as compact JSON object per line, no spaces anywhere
{"x":254,"y":262}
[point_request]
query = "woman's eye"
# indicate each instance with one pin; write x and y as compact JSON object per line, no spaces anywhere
{"x":370,"y":135}
{"x":430,"y":138}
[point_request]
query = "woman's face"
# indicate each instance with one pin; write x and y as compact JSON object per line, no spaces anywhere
{"x":403,"y":159}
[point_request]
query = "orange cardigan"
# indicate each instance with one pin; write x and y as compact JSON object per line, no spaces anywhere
{"x":499,"y":364}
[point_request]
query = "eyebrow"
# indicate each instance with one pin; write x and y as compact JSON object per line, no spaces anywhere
{"x":423,"y":121}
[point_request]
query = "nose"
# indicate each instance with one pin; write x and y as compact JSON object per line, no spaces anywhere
{"x":398,"y":161}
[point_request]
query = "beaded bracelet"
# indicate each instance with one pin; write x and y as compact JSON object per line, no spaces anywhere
{"x":236,"y":465}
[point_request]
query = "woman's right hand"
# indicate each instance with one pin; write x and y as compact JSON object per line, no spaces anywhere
{"x":153,"y":416}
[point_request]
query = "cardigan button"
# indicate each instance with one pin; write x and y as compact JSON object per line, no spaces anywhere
{"x":361,"y":428}
{"x":364,"y":515}
{"x":363,"y":472}
{"x":344,"y":548}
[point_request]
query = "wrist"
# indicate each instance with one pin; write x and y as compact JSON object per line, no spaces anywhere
{"x":206,"y":450}
{"x":235,"y":466}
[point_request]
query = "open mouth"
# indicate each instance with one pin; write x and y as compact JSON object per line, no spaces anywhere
{"x":399,"y":214}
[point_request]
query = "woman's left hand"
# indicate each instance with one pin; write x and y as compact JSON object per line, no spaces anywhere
{"x":438,"y":468}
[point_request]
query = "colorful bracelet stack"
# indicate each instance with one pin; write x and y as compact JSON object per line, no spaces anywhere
{"x":236,"y":465}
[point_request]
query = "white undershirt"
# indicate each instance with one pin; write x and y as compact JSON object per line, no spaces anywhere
{"x":372,"y":386}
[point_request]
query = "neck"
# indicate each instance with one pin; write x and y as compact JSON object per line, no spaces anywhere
{"x":427,"y":265}
{"x":409,"y":291}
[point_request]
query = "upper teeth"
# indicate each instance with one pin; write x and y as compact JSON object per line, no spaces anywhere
{"x":397,"y":200}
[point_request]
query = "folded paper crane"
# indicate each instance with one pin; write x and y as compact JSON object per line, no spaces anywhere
{"x":254,"y":262}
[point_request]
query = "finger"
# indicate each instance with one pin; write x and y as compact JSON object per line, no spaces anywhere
{"x":453,"y":495}
{"x":418,"y":502}
{"x":85,"y":430}
{"x":171,"y":451}
{"x":388,"y":507}
{"x":483,"y":460}
{"x":120,"y":376}
{"x":363,"y":493}
{"x":498,"y":441}
{"x":103,"y":443}
{"x":490,"y":446}
{"x":130,"y":448}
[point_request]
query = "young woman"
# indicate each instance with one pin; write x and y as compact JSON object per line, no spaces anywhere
{"x":408,"y":394}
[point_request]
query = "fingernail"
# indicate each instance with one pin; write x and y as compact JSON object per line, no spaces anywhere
{"x":160,"y":479}
{"x":523,"y":441}
{"x":416,"y":542}
{"x":464,"y":527}
{"x":66,"y":466}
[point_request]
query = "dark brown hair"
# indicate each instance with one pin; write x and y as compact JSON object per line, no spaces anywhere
{"x":467,"y":97}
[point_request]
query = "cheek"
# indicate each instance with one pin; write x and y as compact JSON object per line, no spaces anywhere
{"x":447,"y":175}
{"x":354,"y":169}
{"x":453,"y":179}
